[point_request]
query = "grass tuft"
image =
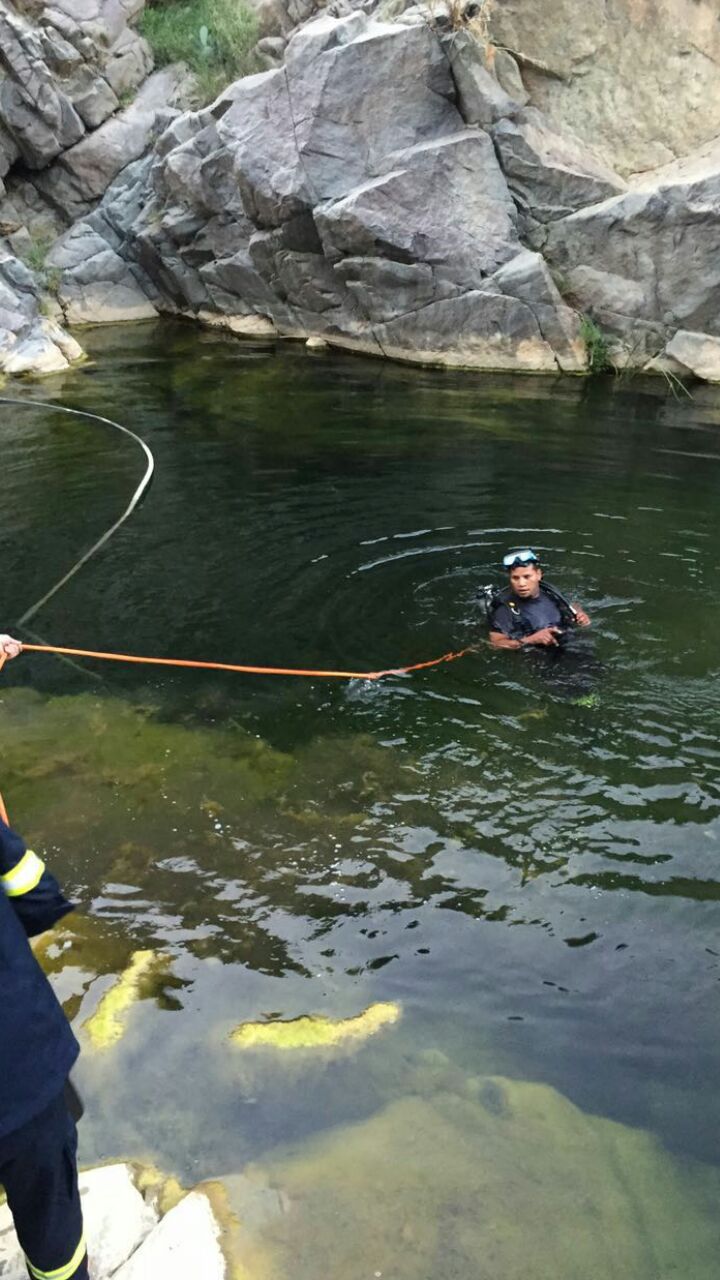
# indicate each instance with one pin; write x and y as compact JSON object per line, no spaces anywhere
{"x":596,"y":345}
{"x":216,"y":38}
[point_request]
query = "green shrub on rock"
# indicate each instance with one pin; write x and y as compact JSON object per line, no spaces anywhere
{"x":216,"y":38}
{"x":596,"y":344}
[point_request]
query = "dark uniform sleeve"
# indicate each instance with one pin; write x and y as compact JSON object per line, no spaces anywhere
{"x":501,"y":619}
{"x":32,"y":892}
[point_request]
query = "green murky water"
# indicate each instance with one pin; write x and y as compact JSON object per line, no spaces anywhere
{"x":523,"y":855}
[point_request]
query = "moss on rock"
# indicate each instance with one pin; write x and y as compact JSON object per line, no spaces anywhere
{"x":143,"y":977}
{"x":314,"y":1032}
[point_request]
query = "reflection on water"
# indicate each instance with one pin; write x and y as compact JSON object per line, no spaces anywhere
{"x":520,"y":853}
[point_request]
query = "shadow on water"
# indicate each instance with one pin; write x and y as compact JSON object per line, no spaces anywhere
{"x":521,"y":854}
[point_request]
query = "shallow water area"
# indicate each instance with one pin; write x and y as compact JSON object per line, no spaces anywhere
{"x":520,"y":853}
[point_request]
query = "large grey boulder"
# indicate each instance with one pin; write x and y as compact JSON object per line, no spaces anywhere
{"x":82,"y":175}
{"x":477,"y":330}
{"x":550,"y":174}
{"x":258,"y":132}
{"x":404,"y":215}
{"x":647,"y":263}
{"x":355,"y":103}
{"x":352,"y":92}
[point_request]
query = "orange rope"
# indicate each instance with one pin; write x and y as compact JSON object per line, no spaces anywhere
{"x":259,"y":671}
{"x":231,"y":666}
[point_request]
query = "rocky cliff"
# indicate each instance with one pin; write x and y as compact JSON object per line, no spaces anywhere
{"x":460,"y":186}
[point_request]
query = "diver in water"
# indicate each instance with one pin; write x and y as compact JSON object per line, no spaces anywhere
{"x":529,"y":612}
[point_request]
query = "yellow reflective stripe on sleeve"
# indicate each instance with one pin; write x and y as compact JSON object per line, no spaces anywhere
{"x":24,"y":875}
{"x":62,"y":1273}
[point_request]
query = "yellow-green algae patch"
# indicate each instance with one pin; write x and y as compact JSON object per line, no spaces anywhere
{"x":125,"y":802}
{"x":316,"y":1032}
{"x":108,"y":1023}
{"x":504,"y":1181}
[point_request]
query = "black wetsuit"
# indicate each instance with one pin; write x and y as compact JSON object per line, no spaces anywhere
{"x":517,"y":618}
{"x":569,"y":664}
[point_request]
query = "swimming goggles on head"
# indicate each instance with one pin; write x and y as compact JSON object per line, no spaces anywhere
{"x":514,"y":558}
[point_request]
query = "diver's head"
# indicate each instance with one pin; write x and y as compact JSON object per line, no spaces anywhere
{"x":525,"y":573}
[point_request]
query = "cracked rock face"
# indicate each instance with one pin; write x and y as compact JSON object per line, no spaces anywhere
{"x":436,"y":195}
{"x":55,"y":75}
{"x":64,"y":138}
{"x":636,"y":80}
{"x":647,"y":263}
{"x":343,"y":196}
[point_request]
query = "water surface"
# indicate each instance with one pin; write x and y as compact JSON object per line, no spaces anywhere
{"x":523,"y":855}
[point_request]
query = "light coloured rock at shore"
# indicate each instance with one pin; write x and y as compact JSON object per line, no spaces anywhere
{"x":117,"y":1221}
{"x":30,"y":344}
{"x":184,"y":1246}
{"x":129,"y":1237}
{"x":696,"y":353}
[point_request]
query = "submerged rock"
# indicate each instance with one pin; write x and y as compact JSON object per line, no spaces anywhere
{"x":315,"y":1032}
{"x":164,"y":806}
{"x":509,"y":1180}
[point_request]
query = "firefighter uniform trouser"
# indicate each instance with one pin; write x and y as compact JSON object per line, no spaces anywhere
{"x":38,"y":1170}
